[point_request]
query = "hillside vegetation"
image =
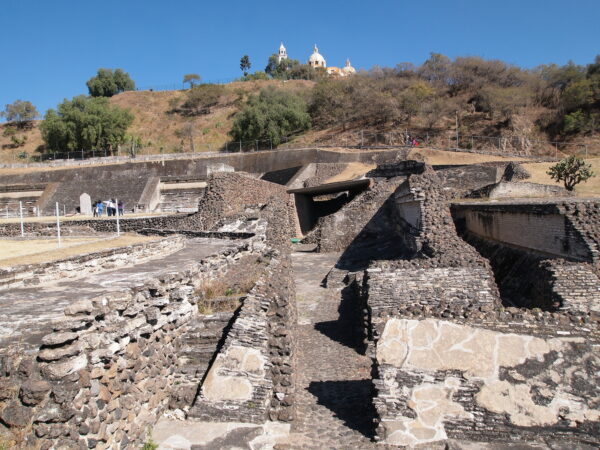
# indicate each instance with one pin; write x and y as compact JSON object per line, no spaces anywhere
{"x":489,"y":104}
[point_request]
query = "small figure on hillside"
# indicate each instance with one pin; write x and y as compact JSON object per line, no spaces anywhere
{"x":408,"y":140}
{"x":415,"y":143}
{"x":95,"y":209}
{"x":121,"y":207}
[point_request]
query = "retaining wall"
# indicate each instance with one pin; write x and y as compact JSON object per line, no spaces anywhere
{"x":82,"y":265}
{"x":536,"y":227}
{"x":439,"y":379}
{"x":107,"y":371}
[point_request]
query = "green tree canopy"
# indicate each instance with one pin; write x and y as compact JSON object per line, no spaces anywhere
{"x":85,"y":123}
{"x":272,"y":114}
{"x":571,"y":171}
{"x":245,"y":64}
{"x":107,"y":83}
{"x":280,"y":70}
{"x":21,"y":112}
{"x":192,"y":79}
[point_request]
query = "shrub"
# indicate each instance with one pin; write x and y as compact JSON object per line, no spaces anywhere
{"x":84,"y":124}
{"x":107,"y":83}
{"x":571,"y":171}
{"x":21,"y":112}
{"x":201,"y":98}
{"x":272,"y":114}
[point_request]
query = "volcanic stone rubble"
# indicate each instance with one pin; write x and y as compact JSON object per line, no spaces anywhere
{"x":424,"y":350}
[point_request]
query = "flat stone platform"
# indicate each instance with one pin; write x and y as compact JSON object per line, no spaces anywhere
{"x":26,"y":313}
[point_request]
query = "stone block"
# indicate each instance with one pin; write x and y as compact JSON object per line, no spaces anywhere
{"x":82,"y":306}
{"x":54,"y":339}
{"x":61,"y":369}
{"x":54,"y":354}
{"x":33,"y":392}
{"x":16,"y":415}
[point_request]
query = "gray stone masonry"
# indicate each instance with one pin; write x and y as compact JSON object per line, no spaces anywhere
{"x":106,"y":371}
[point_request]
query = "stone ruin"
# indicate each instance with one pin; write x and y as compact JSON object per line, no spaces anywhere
{"x":404,"y":317}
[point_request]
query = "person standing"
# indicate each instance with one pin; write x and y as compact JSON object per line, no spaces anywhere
{"x":121,"y":207}
{"x":112,"y":208}
{"x":100,"y":206}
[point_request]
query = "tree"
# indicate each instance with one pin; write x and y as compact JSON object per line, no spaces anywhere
{"x":245,"y":65}
{"x":85,"y":123}
{"x":202,"y":97}
{"x":278,"y":69}
{"x":272,"y":114}
{"x":191,"y":78}
{"x":107,"y":83}
{"x":436,"y":69}
{"x":571,"y":171}
{"x":21,"y":112}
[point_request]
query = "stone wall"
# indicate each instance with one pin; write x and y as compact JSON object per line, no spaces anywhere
{"x":106,"y":372}
{"x":89,"y":226}
{"x":82,"y":265}
{"x":468,"y":177}
{"x":397,"y":169}
{"x":322,"y":172}
{"x":180,"y":200}
{"x":439,"y":379}
{"x":337,"y":231}
{"x":394,"y":289}
{"x":572,"y":285}
{"x":537,"y":227}
{"x":126,"y":178}
{"x":505,"y":189}
{"x":251,"y":379}
{"x":228,"y":194}
{"x":452,"y":363}
{"x":584,"y":216}
{"x":530,"y":280}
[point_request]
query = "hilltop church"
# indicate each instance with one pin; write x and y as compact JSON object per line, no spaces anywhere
{"x":316,"y":60}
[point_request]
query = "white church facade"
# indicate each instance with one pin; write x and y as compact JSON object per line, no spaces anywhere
{"x":317,"y":61}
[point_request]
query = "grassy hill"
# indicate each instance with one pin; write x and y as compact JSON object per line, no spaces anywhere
{"x":163,"y":128}
{"x":159,"y":127}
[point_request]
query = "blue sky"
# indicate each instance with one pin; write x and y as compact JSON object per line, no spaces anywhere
{"x":51,"y":48}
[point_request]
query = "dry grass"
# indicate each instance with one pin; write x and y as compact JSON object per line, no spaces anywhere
{"x":589,"y":188}
{"x":224,"y":293}
{"x":158,"y":127}
{"x":454,"y":158}
{"x":37,"y":251}
{"x":34,"y":140}
{"x":351,"y":172}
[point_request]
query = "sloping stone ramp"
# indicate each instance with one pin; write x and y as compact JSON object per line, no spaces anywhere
{"x":334,"y":388}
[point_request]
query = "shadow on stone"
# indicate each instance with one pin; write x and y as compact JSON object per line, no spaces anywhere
{"x":350,"y":401}
{"x":347,"y":329}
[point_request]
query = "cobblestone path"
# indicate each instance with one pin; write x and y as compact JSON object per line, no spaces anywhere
{"x":334,"y":389}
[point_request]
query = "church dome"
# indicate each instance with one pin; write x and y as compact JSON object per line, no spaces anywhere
{"x":316,"y":59}
{"x":348,"y":69}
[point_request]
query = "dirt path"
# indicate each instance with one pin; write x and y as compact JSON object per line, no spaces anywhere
{"x":334,"y":386}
